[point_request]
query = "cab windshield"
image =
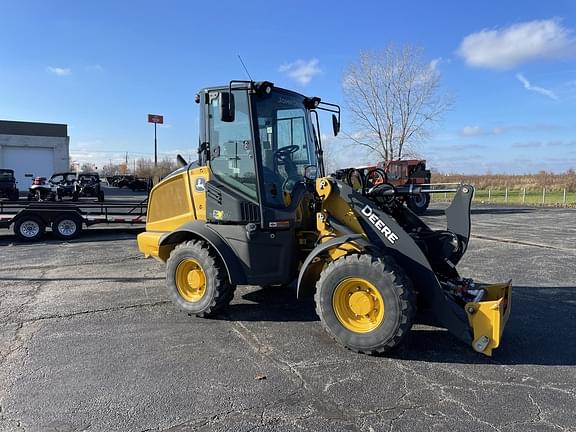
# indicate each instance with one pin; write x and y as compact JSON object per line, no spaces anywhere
{"x":286,"y":143}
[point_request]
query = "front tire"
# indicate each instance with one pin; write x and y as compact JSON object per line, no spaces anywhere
{"x":196,"y":279}
{"x":366,"y":303}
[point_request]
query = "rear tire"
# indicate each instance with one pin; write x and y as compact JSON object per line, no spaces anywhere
{"x":366,"y":303}
{"x":29,"y":228}
{"x":196,"y":279}
{"x":67,"y":227}
{"x":419,"y":203}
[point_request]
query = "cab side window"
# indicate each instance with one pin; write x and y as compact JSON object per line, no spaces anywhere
{"x":231,"y":147}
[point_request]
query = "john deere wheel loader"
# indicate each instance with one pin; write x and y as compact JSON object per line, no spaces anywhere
{"x":258,"y":209}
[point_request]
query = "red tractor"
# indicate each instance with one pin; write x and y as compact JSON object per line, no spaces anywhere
{"x":409,"y":172}
{"x":397,"y":173}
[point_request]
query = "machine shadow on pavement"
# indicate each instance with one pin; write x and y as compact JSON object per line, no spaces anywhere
{"x":538,"y":332}
{"x":270,"y":304}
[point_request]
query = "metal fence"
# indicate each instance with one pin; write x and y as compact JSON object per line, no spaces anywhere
{"x":523,"y":196}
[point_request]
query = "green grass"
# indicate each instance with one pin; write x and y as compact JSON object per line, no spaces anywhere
{"x":515,"y":196}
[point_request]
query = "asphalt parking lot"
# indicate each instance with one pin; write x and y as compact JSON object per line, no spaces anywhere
{"x":89,"y":342}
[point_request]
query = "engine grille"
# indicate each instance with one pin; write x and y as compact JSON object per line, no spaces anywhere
{"x":249,"y":212}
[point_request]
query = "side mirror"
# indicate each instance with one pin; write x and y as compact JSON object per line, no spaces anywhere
{"x":227,"y":109}
{"x":335,"y":124}
{"x":311,"y":172}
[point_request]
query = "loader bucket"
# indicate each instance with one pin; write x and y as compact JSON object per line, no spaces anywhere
{"x":489,"y":316}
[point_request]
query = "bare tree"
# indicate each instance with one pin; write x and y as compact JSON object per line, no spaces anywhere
{"x":330,"y":150}
{"x":146,"y":168}
{"x":395,"y":98}
{"x":87,"y":167}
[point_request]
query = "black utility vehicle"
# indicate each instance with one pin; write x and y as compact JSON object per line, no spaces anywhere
{"x":139,"y":184}
{"x":65,"y":184}
{"x":8,"y":185}
{"x":88,"y":185}
{"x":125,"y":181}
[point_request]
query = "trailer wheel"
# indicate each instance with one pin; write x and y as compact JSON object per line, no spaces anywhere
{"x":67,"y":227}
{"x":419,"y":203}
{"x":196,"y":280}
{"x":29,"y":228}
{"x":366,"y":303}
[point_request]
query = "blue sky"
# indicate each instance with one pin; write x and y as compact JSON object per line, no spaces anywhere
{"x":102,"y":66}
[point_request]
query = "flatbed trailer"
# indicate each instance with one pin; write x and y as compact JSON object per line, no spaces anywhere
{"x":66,"y":219}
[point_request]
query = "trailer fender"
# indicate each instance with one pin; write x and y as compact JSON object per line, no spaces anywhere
{"x":199,"y":230}
{"x":311,"y":268}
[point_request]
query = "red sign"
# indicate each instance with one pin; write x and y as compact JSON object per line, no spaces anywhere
{"x":155,"y":118}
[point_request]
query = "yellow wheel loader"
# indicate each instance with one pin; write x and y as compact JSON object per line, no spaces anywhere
{"x":257,"y":208}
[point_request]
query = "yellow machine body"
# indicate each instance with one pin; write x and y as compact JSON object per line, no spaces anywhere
{"x":489,"y":316}
{"x":173,"y":202}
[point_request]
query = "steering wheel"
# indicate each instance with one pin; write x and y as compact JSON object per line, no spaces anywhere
{"x":285,"y":153}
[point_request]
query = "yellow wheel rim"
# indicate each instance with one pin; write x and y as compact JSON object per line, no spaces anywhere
{"x":358,"y":305}
{"x":190,"y":280}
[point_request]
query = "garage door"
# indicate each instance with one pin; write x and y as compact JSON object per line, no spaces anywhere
{"x":28,"y":162}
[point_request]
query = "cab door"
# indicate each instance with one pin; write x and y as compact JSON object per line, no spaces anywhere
{"x":233,"y":205}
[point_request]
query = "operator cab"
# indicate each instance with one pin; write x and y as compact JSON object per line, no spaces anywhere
{"x":260,"y":144}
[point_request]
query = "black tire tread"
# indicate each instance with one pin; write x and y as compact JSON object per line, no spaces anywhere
{"x":215,"y":270}
{"x":23,"y":219}
{"x":60,"y":236}
{"x":419,"y":210}
{"x":403,"y":287}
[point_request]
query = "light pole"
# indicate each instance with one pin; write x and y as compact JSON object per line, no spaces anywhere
{"x":156,"y":119}
{"x":155,"y":147}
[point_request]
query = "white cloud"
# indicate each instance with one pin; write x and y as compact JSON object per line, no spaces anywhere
{"x":520,"y":43}
{"x":59,"y":71}
{"x":530,"y":87}
{"x":302,"y":71}
{"x":472,"y":131}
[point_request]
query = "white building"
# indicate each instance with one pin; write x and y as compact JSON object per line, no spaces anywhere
{"x":33,"y":149}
